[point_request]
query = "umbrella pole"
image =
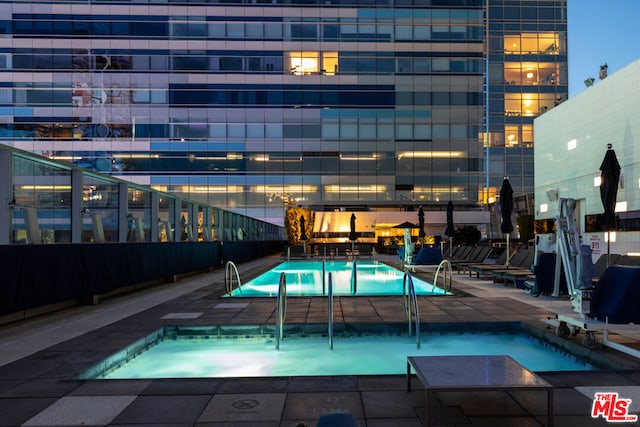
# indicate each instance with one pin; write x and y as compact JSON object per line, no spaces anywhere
{"x":450,"y":247}
{"x":508,"y":250}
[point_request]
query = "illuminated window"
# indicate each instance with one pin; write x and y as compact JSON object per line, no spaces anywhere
{"x":527,"y":104}
{"x":531,"y":73}
{"x":306,"y":63}
{"x":330,"y":63}
{"x":512,"y":135}
{"x":532,"y":43}
{"x":301,"y":63}
{"x":518,"y":135}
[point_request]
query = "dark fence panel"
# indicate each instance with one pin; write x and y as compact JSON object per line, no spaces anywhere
{"x":39,"y":275}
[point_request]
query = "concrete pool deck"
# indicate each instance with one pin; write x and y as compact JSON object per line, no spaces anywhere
{"x":40,"y":357}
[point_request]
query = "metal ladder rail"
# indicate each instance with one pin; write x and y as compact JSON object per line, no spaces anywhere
{"x":354,"y":279}
{"x":228,"y":277}
{"x":324,"y":283}
{"x":448,"y":275}
{"x":281,"y":309}
{"x":330,"y":310}
{"x":411,"y":302}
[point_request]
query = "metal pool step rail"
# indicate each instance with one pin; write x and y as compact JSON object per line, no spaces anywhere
{"x":448,"y":275}
{"x":281,"y":309}
{"x":411,"y":303}
{"x":229,"y":270}
{"x":330,"y":310}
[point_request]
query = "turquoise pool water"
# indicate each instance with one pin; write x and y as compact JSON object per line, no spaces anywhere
{"x":192,"y":354}
{"x":304,"y":278}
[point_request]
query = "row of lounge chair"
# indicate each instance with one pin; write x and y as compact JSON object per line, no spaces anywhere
{"x":503,"y":266}
{"x":522,"y":269}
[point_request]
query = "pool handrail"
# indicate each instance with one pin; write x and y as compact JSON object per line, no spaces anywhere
{"x":228,"y":277}
{"x":330,"y":310}
{"x":448,"y":275}
{"x":323,"y":278}
{"x":354,"y":279}
{"x":411,"y":302}
{"x":281,"y":309}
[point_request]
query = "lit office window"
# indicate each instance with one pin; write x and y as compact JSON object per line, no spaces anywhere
{"x":530,"y":43}
{"x":306,"y":63}
{"x":303,"y":63}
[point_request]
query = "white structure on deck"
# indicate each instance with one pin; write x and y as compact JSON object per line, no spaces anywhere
{"x":571,"y":141}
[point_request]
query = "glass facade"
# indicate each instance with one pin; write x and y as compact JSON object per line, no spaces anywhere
{"x":527,"y":76}
{"x":54,"y":202}
{"x":255,"y":105}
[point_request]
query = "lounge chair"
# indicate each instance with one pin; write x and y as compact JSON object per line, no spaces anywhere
{"x":629,"y":260}
{"x":476,"y":267}
{"x":426,"y":258}
{"x":479,"y":254}
{"x":461,"y":253}
{"x":519,"y":267}
{"x":516,"y":258}
{"x":617,"y":296}
{"x":601,"y":265}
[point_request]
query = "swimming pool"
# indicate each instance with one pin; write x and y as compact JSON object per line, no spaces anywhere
{"x":304,"y":278}
{"x":222,"y":352}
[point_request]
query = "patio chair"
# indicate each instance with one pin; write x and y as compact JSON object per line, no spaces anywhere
{"x":490,"y":261}
{"x":517,"y":268}
{"x":479,"y":254}
{"x":484,"y":271}
{"x":426,"y":258}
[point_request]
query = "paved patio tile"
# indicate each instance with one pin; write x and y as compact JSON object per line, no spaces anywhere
{"x":313,"y":405}
{"x":80,"y":411}
{"x":163,"y":409}
{"x":244,"y":407}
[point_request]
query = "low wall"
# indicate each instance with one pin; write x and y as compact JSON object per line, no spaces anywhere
{"x":35,"y":276}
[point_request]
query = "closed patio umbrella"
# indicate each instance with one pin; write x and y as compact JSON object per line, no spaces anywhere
{"x":421,"y":233}
{"x":609,"y":179}
{"x":353,"y":236}
{"x":506,"y":209}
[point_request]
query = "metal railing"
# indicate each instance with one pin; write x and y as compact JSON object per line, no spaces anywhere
{"x":229,"y":270}
{"x":411,"y":305}
{"x":448,"y":275}
{"x":354,"y":279}
{"x":324,"y":285}
{"x":330,"y":310}
{"x":281,"y":309}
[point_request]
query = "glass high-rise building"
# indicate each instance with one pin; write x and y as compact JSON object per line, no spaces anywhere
{"x":252,"y":104}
